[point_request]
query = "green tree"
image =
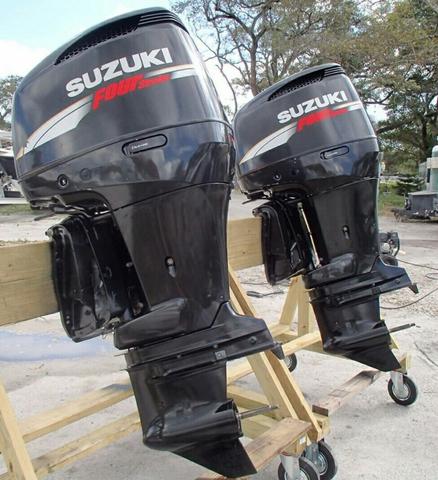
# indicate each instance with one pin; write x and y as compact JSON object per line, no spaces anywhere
{"x":263,"y":41}
{"x":389,"y":49}
{"x":400,"y":61}
{"x":8,"y":85}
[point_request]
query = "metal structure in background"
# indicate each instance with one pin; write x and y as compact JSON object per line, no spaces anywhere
{"x":423,"y":205}
{"x":9,"y":188}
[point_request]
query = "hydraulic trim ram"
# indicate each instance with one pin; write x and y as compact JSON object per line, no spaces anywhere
{"x":306,"y":145}
{"x":122,"y":129}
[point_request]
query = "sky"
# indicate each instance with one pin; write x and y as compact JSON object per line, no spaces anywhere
{"x":31,"y":29}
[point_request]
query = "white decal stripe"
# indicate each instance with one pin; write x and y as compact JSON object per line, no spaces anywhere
{"x":162,"y":71}
{"x":348,"y":105}
{"x":35,"y":137}
{"x":69,"y":122}
{"x":274,"y":140}
{"x":184,"y":73}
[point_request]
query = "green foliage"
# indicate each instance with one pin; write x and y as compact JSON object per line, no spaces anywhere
{"x":15,"y":209}
{"x":389,"y":49}
{"x":408,"y":183}
{"x":8,"y":86}
{"x":389,"y":198}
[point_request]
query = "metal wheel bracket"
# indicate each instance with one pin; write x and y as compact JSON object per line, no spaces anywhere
{"x":291,"y":466}
{"x":399,"y":387}
{"x":312,"y":453}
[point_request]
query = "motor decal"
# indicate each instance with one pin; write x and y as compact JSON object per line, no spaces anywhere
{"x":69,"y":118}
{"x":283,"y":135}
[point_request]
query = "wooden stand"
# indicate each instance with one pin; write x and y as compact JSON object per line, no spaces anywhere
{"x":26,"y":292}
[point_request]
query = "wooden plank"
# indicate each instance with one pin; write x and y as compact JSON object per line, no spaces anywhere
{"x":306,"y":318}
{"x":243,"y":368}
{"x":240,"y":296}
{"x":235,"y":372}
{"x":290,"y":306}
{"x":264,"y":448}
{"x":405,"y":360}
{"x":248,"y":399}
{"x":26,"y":287}
{"x":279,"y":330}
{"x":271,"y":386}
{"x":83,"y":446}
{"x":294,"y":394}
{"x":12,"y":445}
{"x":324,"y":423}
{"x":245,"y":243}
{"x":259,"y":363}
{"x":88,"y":404}
{"x":301,"y":343}
{"x":256,"y":426}
{"x":345,"y":392}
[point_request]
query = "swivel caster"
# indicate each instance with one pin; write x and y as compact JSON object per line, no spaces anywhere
{"x":307,"y":471}
{"x":291,"y":362}
{"x":322,"y":457}
{"x":402,"y":389}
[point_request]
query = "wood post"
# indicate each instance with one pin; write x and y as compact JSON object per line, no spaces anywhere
{"x":12,"y":445}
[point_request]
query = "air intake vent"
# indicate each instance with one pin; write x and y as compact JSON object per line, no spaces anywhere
{"x":335,"y":70}
{"x":297,"y":83}
{"x":160,"y":17}
{"x":305,"y":80}
{"x":118,"y":29}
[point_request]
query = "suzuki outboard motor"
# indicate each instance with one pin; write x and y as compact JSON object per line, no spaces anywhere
{"x":306,"y":145}
{"x":122,"y":129}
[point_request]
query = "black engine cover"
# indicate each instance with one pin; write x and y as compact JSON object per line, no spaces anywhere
{"x":122,"y":129}
{"x":307,"y":145}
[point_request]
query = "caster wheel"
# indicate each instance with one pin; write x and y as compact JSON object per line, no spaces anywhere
{"x":410,"y":392}
{"x":308,"y":471}
{"x":291,"y":362}
{"x":326,"y":463}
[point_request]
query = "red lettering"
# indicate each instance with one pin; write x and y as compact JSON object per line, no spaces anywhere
{"x":128,"y":85}
{"x":111,"y":92}
{"x":124,"y":86}
{"x":98,"y":97}
{"x":149,"y":82}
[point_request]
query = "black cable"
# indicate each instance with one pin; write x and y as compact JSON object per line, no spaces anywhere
{"x":411,"y":303}
{"x":417,"y":265}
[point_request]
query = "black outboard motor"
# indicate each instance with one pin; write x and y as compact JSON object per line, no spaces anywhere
{"x":307,"y":145}
{"x":122,"y":129}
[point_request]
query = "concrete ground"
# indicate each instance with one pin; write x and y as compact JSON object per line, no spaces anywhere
{"x":372,"y":437}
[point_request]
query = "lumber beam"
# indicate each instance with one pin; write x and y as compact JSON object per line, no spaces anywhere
{"x":256,"y":426}
{"x":88,"y":404}
{"x":26,"y":287}
{"x":294,"y":394}
{"x":300,"y":343}
{"x":269,"y":444}
{"x":248,"y":399}
{"x":12,"y":445}
{"x":82,"y":447}
{"x":345,"y":392}
{"x":290,"y":306}
{"x":245,"y":243}
{"x":259,"y":362}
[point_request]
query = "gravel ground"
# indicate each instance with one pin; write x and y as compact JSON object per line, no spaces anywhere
{"x":372,"y":437}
